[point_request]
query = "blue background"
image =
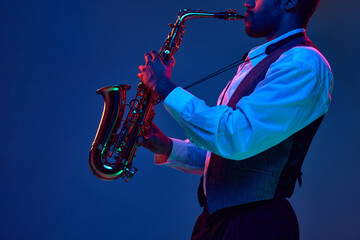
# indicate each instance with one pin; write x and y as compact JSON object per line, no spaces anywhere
{"x":55,"y":54}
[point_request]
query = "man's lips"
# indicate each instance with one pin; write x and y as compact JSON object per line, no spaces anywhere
{"x":248,"y":15}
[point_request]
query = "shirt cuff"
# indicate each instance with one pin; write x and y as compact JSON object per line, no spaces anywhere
{"x":176,"y":151}
{"x":176,"y":101}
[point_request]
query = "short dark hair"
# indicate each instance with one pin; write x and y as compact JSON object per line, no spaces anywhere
{"x":306,"y":9}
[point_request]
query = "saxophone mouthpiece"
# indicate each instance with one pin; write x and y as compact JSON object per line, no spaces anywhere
{"x":230,"y":15}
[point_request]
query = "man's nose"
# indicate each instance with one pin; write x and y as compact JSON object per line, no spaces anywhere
{"x":250,"y":4}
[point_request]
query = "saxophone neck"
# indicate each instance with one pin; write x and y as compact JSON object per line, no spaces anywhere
{"x":174,"y":39}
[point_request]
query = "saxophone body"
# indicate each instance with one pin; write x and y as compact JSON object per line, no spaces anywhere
{"x":113,"y":150}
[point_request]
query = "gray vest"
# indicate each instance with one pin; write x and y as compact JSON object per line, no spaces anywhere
{"x":274,"y":171}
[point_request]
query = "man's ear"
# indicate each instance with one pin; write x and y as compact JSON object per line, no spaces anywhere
{"x":290,"y":4}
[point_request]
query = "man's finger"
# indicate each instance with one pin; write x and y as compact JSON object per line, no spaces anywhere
{"x":171,"y":63}
{"x":154,"y":54}
{"x":139,"y":75}
{"x":147,"y":57}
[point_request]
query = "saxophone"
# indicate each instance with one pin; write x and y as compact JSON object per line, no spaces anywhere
{"x":112,"y":152}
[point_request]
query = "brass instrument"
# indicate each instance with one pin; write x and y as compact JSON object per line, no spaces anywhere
{"x":112,"y":152}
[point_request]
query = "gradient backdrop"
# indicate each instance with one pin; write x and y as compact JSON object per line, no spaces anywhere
{"x":55,"y":54}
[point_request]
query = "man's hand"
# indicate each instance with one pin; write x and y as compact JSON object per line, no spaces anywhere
{"x":157,"y":142}
{"x":156,"y":75}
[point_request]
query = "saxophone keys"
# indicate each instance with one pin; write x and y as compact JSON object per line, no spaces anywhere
{"x":141,"y":139}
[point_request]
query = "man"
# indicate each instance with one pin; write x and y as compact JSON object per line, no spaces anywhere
{"x":250,"y":147}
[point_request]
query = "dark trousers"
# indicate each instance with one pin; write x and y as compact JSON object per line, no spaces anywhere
{"x":265,"y":220}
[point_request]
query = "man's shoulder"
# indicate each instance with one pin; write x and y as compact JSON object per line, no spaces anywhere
{"x":306,"y":55}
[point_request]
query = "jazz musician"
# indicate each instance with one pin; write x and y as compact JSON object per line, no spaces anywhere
{"x":250,"y":147}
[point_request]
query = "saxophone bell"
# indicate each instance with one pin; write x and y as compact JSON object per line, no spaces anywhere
{"x":102,"y":160}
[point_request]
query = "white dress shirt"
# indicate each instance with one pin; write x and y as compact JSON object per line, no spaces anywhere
{"x":295,"y":92}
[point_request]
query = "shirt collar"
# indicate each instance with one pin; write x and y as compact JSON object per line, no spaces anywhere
{"x":261,"y":49}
